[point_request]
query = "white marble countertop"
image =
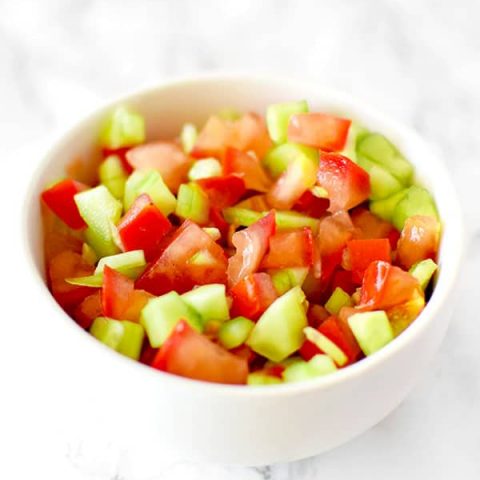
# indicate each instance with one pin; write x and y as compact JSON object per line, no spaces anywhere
{"x":417,"y":61}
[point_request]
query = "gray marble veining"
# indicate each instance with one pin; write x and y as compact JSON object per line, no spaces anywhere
{"x":418,"y":61}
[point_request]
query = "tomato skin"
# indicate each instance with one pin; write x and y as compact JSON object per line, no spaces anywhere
{"x":363,"y":252}
{"x":116,"y":292}
{"x":347,"y":184}
{"x":89,"y":310}
{"x":418,"y":240}
{"x":68,"y":264}
{"x":252,"y":295}
{"x":293,"y":248}
{"x":251,"y":134}
{"x":248,"y":167}
{"x":143,"y":227}
{"x":343,"y":279}
{"x":190,"y":354}
{"x":173,"y":270}
{"x":318,"y":130}
{"x":251,"y":245}
{"x":59,"y":198}
{"x":311,"y":205}
{"x":223,"y":191}
{"x":165,"y":157}
{"x":385,"y":286}
{"x":316,"y":315}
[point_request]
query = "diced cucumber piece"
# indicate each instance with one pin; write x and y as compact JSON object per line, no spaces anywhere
{"x":378,"y":149}
{"x":278,"y":158}
{"x":241,"y":216}
{"x":235,"y":332}
{"x":319,"y":192}
{"x":229,"y":114}
{"x":99,"y":208}
{"x":317,"y":366}
{"x":112,"y":174}
{"x":192,"y":203}
{"x":371,"y":329}
{"x":121,"y":335}
{"x":338,"y":299}
{"x":151,"y":183}
{"x":417,"y":201}
{"x":205,"y":168}
{"x":423,"y":271}
{"x":279,"y":331}
{"x":88,"y":254}
{"x":93,"y":281}
{"x":326,"y":346}
{"x":123,"y":128}
{"x":209,"y":301}
{"x":108,"y":331}
{"x":213,"y":232}
{"x":355,"y":133}
{"x":132,"y":340}
{"x":202,"y":257}
{"x":161,"y":314}
{"x":188,"y":137}
{"x":382,"y":183}
{"x":287,"y":278}
{"x":134,"y":259}
{"x":385,"y":208}
{"x":278,"y":115}
{"x":260,"y":378}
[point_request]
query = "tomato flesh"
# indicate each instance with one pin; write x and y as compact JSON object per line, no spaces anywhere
{"x":248,"y":167}
{"x":363,"y":252}
{"x":116,"y":291}
{"x":223,"y":191}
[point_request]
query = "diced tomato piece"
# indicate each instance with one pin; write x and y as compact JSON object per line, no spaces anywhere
{"x":178,"y":268}
{"x":418,"y":240}
{"x":213,"y":139}
{"x":121,"y":153}
{"x":68,"y":264}
{"x":343,"y":279}
{"x":148,"y":353}
{"x":165,"y":157}
{"x":293,"y":248}
{"x":318,"y":130}
{"x":190,"y":354}
{"x":216,"y":220}
{"x":253,"y":295}
{"x":143,"y":227}
{"x":316,"y":315}
{"x":89,"y":310}
{"x":223,"y":191}
{"x":385,"y":286}
{"x":136,"y":301}
{"x":248,"y":167}
{"x":58,"y":240}
{"x":340,"y":334}
{"x":245,"y":352}
{"x":257,"y":203}
{"x":308,"y":350}
{"x":347,"y":184}
{"x":311,"y":205}
{"x":251,"y":134}
{"x":363,"y":252}
{"x":251,"y":245}
{"x":334,"y":232}
{"x":368,"y":225}
{"x":116,"y":292}
{"x":59,"y":199}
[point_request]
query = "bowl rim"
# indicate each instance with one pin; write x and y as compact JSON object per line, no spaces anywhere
{"x":443,"y":290}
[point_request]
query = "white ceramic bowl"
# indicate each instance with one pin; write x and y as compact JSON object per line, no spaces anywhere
{"x":104,"y":395}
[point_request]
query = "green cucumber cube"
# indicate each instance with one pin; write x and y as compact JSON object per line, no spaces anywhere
{"x":112,"y":174}
{"x":278,"y":158}
{"x":279,"y":331}
{"x":287,"y":278}
{"x":209,"y":301}
{"x":88,"y":254}
{"x":241,"y":216}
{"x":151,"y":183}
{"x":123,"y":128}
{"x":382,"y":183}
{"x":384,"y":208}
{"x":326,"y":345}
{"x":99,"y":208}
{"x":161,"y":314}
{"x":260,"y":379}
{"x":289,"y":220}
{"x":423,"y":271}
{"x":417,"y":201}
{"x":192,"y":203}
{"x":378,"y":149}
{"x":132,"y":340}
{"x":317,"y":366}
{"x":205,"y":168}
{"x":123,"y":261}
{"x":338,"y":299}
{"x":278,"y":115}
{"x":235,"y":332}
{"x":202,"y":257}
{"x":371,"y":329}
{"x":188,"y":137}
{"x":355,"y":134}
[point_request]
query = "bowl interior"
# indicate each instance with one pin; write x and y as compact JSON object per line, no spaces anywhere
{"x":166,"y":108}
